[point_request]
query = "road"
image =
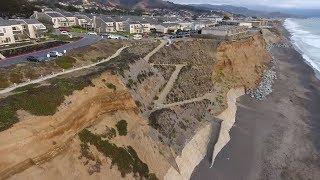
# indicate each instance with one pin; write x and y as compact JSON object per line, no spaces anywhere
{"x":61,"y":73}
{"x":87,"y":40}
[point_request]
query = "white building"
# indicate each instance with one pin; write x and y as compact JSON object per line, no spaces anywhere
{"x":103,"y":24}
{"x":56,"y":18}
{"x":20,"y":30}
{"x":134,"y":27}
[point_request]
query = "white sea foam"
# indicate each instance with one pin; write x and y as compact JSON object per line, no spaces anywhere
{"x":305,"y":41}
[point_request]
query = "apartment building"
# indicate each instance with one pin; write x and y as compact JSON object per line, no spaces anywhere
{"x":71,"y":18}
{"x":20,"y":30}
{"x":135,"y":27}
{"x":83,"y":21}
{"x":103,"y":24}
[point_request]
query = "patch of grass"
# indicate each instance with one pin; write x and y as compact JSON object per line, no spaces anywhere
{"x":111,"y":86}
{"x":122,"y":127}
{"x":78,"y":29}
{"x":4,"y":83}
{"x":40,"y":101}
{"x":16,"y":77}
{"x":126,"y":158}
{"x":60,"y":37}
{"x":65,"y":62}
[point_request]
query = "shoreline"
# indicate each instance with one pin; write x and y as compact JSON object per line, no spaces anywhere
{"x":201,"y":143}
{"x":277,"y":137}
{"x":307,"y":59}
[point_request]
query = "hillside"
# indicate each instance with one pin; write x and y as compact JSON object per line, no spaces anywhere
{"x":138,"y":116}
{"x":241,"y":10}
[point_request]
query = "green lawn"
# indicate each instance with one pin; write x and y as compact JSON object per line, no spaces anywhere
{"x":78,"y":30}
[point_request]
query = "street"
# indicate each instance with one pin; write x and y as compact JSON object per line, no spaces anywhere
{"x":87,"y":40}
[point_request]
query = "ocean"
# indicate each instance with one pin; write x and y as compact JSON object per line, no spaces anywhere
{"x":306,"y":38}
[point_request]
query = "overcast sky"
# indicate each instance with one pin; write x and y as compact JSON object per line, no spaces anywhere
{"x":275,"y":3}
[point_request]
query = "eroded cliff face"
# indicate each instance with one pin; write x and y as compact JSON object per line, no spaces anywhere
{"x":157,"y":142}
{"x":241,"y":63}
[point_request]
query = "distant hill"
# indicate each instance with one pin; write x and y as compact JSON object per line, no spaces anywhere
{"x":16,"y":8}
{"x":241,"y":10}
{"x":132,"y":4}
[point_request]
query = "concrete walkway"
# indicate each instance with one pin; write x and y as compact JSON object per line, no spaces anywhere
{"x":9,"y":89}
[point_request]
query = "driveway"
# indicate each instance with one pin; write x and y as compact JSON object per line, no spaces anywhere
{"x":87,"y":40}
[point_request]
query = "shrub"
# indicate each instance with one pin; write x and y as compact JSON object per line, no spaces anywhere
{"x":111,"y":86}
{"x":122,"y":127}
{"x":40,"y":100}
{"x":65,"y":62}
{"x":126,"y":158}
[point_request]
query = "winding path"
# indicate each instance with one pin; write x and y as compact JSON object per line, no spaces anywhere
{"x":9,"y":89}
{"x":169,"y":85}
{"x":148,"y":56}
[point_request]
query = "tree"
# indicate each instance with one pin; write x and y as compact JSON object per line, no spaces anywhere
{"x":225,"y":17}
{"x":17,"y":8}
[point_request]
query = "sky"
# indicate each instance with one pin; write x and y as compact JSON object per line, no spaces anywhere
{"x":312,"y":4}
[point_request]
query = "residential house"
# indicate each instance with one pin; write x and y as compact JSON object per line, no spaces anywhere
{"x":167,"y":27}
{"x":103,"y":24}
{"x":118,"y":21}
{"x":34,"y":28}
{"x":83,"y":21}
{"x":72,"y":19}
{"x":20,"y":30}
{"x":135,"y":27}
{"x":246,"y":24}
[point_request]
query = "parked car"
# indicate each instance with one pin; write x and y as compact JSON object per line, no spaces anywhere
{"x":64,"y":32}
{"x":92,"y":33}
{"x":55,"y":54}
{"x":33,"y":59}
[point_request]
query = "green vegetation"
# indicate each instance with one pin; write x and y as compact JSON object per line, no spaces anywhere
{"x":112,"y":133}
{"x":78,"y":29}
{"x":130,"y":83}
{"x":61,"y":37}
{"x":124,"y":33}
{"x":111,"y":86}
{"x":3,"y":81}
{"x":65,"y":62}
{"x":126,"y":158}
{"x":40,"y":101}
{"x":16,"y":77}
{"x":122,"y":127}
{"x":17,"y":8}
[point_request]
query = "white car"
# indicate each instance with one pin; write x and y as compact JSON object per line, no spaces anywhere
{"x":92,"y":33}
{"x":55,"y":54}
{"x":64,"y":33}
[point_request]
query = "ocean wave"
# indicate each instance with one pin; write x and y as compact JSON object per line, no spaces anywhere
{"x":307,"y":43}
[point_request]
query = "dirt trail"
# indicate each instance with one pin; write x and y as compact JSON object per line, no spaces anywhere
{"x":148,"y":56}
{"x":208,"y":96}
{"x":62,"y":73}
{"x":169,"y":85}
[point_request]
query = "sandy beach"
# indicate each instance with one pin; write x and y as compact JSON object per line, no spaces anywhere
{"x":277,"y":138}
